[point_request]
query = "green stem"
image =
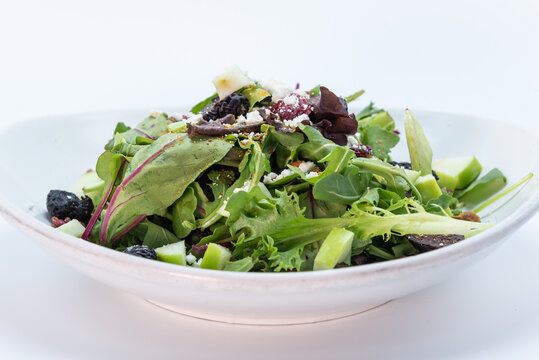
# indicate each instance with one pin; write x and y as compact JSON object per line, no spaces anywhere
{"x":503,"y":193}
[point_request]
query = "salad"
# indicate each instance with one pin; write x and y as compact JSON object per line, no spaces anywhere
{"x":265,"y":177}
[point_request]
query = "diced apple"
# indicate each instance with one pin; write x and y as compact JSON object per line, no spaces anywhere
{"x":72,"y":227}
{"x":87,"y":184}
{"x":483,"y":188}
{"x":335,"y":248}
{"x":215,"y":257}
{"x":232,"y":79}
{"x":428,"y":187}
{"x":172,"y":253}
{"x":457,"y":173}
{"x":412,"y":175}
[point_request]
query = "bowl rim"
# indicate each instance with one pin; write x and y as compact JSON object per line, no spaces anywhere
{"x":364,"y":273}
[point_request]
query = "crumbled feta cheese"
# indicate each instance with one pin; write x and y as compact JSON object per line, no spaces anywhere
{"x":306,"y":166}
{"x":272,"y":177}
{"x":269,"y":178}
{"x":190,"y":259}
{"x":291,"y":100}
{"x":278,"y":89}
{"x":352,"y":141}
{"x":197,"y":263}
{"x":294,"y":123}
{"x":194,"y":119}
{"x":245,"y":187}
{"x":312,"y":174}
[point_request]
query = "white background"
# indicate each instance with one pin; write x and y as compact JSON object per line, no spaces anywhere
{"x":473,"y":57}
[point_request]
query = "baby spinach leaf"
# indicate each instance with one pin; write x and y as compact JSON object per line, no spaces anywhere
{"x":158,"y":175}
{"x":183,"y":211}
{"x":319,"y":209}
{"x":153,"y":235}
{"x":342,"y":189}
{"x":201,"y":105}
{"x":317,"y":147}
{"x":242,"y":265}
{"x":150,"y":128}
{"x":381,"y":141}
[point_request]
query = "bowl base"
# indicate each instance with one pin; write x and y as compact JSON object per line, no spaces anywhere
{"x":261,"y":321}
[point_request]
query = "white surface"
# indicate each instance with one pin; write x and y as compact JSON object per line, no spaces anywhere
{"x":476,"y":58}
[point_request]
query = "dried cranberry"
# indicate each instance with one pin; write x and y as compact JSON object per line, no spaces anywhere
{"x":362,"y":150}
{"x":291,"y":107}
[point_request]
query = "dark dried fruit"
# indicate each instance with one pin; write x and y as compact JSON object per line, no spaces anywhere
{"x":236,"y":104}
{"x":290,"y":110}
{"x":362,"y":150}
{"x":142,"y":251}
{"x":64,"y":204}
{"x":404,"y":164}
{"x":468,"y":216}
{"x":331,"y":117}
{"x":431,"y":242}
{"x":407,"y":165}
{"x":360,"y":259}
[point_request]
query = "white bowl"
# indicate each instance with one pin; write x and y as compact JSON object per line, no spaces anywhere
{"x":52,"y":152}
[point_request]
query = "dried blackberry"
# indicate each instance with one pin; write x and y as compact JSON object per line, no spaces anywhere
{"x":64,"y":204}
{"x":404,"y":164}
{"x":407,"y":165}
{"x":236,"y":104}
{"x":142,"y":251}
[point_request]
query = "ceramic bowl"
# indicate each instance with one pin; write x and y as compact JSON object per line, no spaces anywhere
{"x":52,"y":152}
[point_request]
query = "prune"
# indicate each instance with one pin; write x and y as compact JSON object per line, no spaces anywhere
{"x":236,"y":104}
{"x":431,"y":242}
{"x":64,"y":204}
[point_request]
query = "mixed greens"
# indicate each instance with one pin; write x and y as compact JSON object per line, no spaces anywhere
{"x":263,"y":177}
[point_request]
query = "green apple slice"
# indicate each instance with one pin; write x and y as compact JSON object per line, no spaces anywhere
{"x":335,"y":248}
{"x":73,"y":227}
{"x":428,"y":187}
{"x":215,"y":257}
{"x":172,"y":253}
{"x":458,"y":172}
{"x":412,"y":175}
{"x":89,"y":184}
{"x":483,"y":188}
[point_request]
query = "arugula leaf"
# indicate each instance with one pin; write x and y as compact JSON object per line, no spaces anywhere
{"x":242,"y":265}
{"x":315,"y":91}
{"x":157,"y":176}
{"x":251,"y":170}
{"x":317,"y":147}
{"x":395,"y":178}
{"x":354,"y":96}
{"x":418,"y":145}
{"x":367,"y":111}
{"x":201,"y":105}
